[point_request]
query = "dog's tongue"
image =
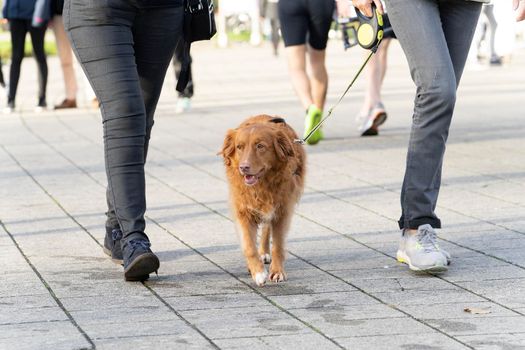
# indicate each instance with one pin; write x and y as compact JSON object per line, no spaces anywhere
{"x":250,"y":179}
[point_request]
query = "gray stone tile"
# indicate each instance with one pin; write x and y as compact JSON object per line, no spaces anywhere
{"x":42,"y":335}
{"x":136,"y":329}
{"x":302,"y":341}
{"x":216,"y":301}
{"x":494,"y":341}
{"x":456,"y":310}
{"x":323,"y":300}
{"x":424,"y":297}
{"x":502,"y":291}
{"x":430,"y":341}
{"x":159,"y":341}
{"x":480,"y":325}
{"x":244,"y":322}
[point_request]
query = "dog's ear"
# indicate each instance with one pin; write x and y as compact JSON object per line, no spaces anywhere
{"x":283,"y":146}
{"x":228,"y":147}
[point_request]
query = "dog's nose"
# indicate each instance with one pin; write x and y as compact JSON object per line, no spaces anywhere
{"x":244,"y":168}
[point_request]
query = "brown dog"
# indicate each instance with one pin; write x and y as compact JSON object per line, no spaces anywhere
{"x":265,"y":171}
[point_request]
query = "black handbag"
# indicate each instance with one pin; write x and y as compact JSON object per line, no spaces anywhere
{"x":199,"y":24}
{"x":199,"y":20}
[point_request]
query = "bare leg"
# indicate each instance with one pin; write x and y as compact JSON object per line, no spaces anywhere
{"x":375,"y":74}
{"x":297,"y":67}
{"x":319,"y":79}
{"x":66,"y":58}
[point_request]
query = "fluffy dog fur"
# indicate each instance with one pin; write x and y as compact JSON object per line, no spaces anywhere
{"x":265,"y":171}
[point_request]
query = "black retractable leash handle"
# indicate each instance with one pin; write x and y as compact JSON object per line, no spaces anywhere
{"x":369,"y":36}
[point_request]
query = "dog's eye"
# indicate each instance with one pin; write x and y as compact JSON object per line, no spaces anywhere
{"x":239,"y":147}
{"x":259,"y":146}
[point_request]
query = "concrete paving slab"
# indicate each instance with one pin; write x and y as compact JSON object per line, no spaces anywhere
{"x":345,"y":288}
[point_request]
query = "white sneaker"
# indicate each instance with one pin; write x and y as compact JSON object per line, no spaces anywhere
{"x":183,"y":105}
{"x":421,"y":251}
{"x":10,"y":108}
{"x":369,"y":123}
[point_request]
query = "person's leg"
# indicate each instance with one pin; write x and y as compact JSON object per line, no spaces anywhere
{"x":294,"y":27}
{"x":436,"y":57}
{"x":37,"y":39}
{"x":488,"y":10}
{"x":372,"y":113}
{"x":319,"y":21}
{"x":374,"y":75}
{"x":2,"y":80}
{"x":66,"y":59}
{"x":319,"y":76}
{"x":156,"y":34}
{"x":126,"y":74}
{"x":433,"y":72}
{"x":18,"y":29}
{"x":296,"y":56}
{"x":107,"y":56}
{"x":184,"y":97}
{"x":274,"y":25}
{"x":319,"y":15}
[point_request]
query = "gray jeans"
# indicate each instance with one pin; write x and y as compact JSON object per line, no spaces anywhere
{"x":125,"y":47}
{"x":435,"y":36}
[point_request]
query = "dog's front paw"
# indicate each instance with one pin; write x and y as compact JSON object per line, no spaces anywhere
{"x":260,"y":278}
{"x":277,"y":274}
{"x":266,"y":258}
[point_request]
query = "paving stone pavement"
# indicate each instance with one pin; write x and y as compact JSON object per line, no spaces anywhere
{"x":345,"y":288}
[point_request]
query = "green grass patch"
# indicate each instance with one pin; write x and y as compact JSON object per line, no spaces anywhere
{"x":5,"y":48}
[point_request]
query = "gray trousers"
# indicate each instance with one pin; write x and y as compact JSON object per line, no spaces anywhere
{"x":435,"y":36}
{"x":125,"y":47}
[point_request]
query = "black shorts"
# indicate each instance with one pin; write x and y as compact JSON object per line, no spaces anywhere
{"x":303,"y":20}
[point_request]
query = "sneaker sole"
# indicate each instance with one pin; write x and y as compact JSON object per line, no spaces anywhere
{"x":379,"y":120}
{"x":141,"y":267}
{"x":403,"y":258}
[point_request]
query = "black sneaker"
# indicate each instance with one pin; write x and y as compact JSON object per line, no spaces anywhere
{"x":139,"y":260}
{"x":112,"y":245}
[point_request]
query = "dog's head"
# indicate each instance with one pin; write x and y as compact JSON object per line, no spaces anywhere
{"x":254,"y":150}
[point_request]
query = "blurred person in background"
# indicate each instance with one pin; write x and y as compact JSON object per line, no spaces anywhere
{"x":65,"y":55}
{"x":304,"y":27}
{"x":436,"y":36}
{"x":488,"y":29}
{"x":270,"y":12}
{"x":373,"y":113}
{"x":23,"y":17}
{"x":184,"y":97}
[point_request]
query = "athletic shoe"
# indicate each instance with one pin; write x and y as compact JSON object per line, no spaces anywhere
{"x":183,"y":105}
{"x":369,"y":124}
{"x":139,"y":260}
{"x":10,"y":108}
{"x":421,"y":251}
{"x":313,"y":117}
{"x":41,"y":106}
{"x":112,"y":245}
